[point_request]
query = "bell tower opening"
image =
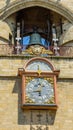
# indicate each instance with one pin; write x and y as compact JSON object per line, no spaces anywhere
{"x":35,"y":21}
{"x":45,"y":22}
{"x":37,"y":26}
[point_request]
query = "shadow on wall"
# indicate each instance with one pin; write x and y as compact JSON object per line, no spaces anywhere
{"x":32,"y":117}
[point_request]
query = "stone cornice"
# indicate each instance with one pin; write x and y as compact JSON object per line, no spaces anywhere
{"x":28,"y":57}
{"x":11,"y":77}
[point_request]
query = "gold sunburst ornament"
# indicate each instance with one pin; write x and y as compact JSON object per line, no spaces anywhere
{"x":39,"y":70}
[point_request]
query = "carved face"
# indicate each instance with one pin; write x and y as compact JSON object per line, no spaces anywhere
{"x":37,"y":49}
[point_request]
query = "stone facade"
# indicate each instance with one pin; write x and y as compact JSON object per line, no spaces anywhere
{"x":12,"y":117}
{"x":11,"y":114}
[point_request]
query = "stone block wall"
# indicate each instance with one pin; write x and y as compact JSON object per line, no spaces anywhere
{"x":11,"y":115}
{"x":9,"y":65}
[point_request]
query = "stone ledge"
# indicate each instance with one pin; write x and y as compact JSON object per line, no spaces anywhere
{"x":5,"y":77}
{"x":28,"y":57}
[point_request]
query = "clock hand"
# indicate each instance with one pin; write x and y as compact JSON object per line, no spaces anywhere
{"x":37,"y":90}
{"x":39,"y":87}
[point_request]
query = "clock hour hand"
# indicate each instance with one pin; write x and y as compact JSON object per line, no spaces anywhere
{"x":39,"y":91}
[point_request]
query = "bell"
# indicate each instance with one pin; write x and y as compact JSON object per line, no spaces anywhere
{"x":35,"y":39}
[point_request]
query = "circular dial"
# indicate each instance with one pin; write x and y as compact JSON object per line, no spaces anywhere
{"x":39,"y":91}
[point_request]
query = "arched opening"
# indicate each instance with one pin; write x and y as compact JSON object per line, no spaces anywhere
{"x":48,"y":20}
{"x":45,"y":22}
{"x":39,"y":21}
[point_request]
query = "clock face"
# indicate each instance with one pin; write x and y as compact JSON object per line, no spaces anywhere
{"x":39,"y":91}
{"x":43,"y":66}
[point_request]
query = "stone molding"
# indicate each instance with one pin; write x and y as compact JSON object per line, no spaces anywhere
{"x":52,"y":5}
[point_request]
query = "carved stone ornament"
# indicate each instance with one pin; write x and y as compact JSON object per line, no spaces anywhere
{"x":37,"y":50}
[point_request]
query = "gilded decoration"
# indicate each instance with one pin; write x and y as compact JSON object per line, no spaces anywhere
{"x":51,"y":101}
{"x":37,"y":50}
{"x":28,"y":100}
{"x":49,"y":79}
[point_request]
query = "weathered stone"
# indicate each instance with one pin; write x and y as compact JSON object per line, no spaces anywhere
{"x":11,"y":115}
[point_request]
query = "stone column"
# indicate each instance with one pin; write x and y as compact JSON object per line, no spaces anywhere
{"x":18,"y":38}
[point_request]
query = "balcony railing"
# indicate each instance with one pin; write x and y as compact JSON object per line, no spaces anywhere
{"x":19,"y":50}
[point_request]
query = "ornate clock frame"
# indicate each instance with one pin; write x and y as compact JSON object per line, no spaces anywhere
{"x":26,"y":74}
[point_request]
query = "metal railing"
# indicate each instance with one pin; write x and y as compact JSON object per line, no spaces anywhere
{"x":6,"y":49}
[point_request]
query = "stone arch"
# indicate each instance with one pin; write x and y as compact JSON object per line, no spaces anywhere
{"x":18,"y":5}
